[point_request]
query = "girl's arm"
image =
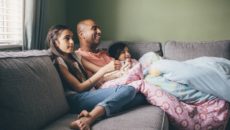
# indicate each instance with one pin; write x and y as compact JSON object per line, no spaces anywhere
{"x":88,"y":84}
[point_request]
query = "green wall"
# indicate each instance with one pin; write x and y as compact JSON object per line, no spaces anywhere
{"x":55,"y":13}
{"x":155,"y":20}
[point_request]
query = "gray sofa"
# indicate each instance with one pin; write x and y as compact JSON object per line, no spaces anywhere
{"x":32,"y":97}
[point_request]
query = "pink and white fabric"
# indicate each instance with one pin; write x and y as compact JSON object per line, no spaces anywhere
{"x":212,"y":114}
{"x":134,"y":74}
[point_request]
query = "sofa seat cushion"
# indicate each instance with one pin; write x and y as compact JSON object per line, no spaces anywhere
{"x":31,"y":93}
{"x":145,"y":117}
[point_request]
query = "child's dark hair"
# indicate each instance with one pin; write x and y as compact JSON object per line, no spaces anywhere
{"x":116,"y":49}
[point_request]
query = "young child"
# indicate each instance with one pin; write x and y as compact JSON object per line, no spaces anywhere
{"x":120,"y":51}
{"x":131,"y":69}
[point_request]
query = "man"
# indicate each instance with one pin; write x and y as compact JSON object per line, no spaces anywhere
{"x":89,"y":34}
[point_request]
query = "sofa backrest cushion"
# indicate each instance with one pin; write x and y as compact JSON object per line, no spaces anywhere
{"x":137,"y":49}
{"x":31,"y":93}
{"x":187,"y":50}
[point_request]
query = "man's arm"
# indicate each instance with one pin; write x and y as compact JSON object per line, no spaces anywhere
{"x":90,"y":66}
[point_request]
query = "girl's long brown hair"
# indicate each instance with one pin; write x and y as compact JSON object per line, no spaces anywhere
{"x":51,"y":39}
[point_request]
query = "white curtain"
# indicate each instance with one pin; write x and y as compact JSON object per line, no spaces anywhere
{"x":34,"y":24}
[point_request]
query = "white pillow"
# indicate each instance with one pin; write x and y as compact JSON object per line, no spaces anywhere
{"x":147,"y":59}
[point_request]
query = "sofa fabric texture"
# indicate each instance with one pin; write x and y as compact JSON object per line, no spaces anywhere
{"x":178,"y":50}
{"x":31,"y":93}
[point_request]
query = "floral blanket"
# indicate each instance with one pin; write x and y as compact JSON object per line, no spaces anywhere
{"x":211,"y":114}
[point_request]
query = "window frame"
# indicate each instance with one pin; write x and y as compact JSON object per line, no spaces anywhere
{"x":19,"y":43}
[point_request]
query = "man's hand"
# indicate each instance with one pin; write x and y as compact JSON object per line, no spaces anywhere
{"x":111,"y":66}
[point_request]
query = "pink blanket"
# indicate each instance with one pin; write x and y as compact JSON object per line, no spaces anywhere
{"x":212,"y":114}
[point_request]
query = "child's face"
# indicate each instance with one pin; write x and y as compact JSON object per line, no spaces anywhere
{"x":124,"y":54}
{"x":65,"y":41}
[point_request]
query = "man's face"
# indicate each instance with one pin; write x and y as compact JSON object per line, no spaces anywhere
{"x":92,"y":33}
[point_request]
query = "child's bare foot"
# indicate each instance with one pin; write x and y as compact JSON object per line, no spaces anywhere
{"x":83,"y":113}
{"x":83,"y":122}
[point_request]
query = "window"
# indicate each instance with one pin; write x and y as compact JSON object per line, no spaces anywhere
{"x":11,"y":22}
